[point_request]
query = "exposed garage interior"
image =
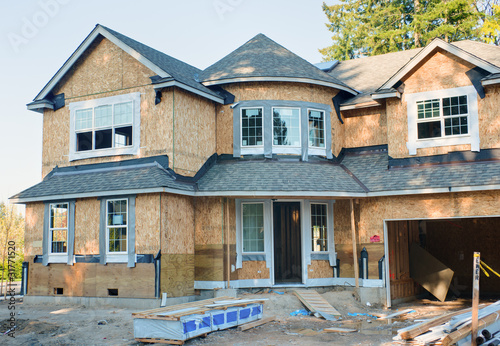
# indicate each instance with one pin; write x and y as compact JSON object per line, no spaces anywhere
{"x":452,"y":242}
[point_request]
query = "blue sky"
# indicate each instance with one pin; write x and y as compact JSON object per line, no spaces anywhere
{"x":36,"y":37}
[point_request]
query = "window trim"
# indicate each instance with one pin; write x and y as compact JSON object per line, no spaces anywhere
{"x":471,"y":138}
{"x":251,"y":148}
{"x":60,"y":257}
{"x":287,"y":149}
{"x":327,"y":227}
{"x":116,"y":254}
{"x":242,"y":233}
{"x":320,"y":151}
{"x":67,"y":257}
{"x":135,"y":98}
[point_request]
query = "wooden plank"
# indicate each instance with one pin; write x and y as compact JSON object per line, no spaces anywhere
{"x":354,"y":244}
{"x":465,"y":330}
{"x":165,"y":309}
{"x":396,"y":314}
{"x":314,"y":302}
{"x":339,"y":330}
{"x":475,"y":297}
{"x":257,"y":323}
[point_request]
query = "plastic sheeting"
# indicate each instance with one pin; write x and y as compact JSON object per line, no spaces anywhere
{"x":197,"y":324}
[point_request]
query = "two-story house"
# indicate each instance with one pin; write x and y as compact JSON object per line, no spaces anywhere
{"x":262,"y":170}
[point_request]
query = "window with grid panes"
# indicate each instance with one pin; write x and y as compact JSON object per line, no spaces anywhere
{"x":316,"y":128}
{"x":319,"y":228}
{"x":58,"y":228}
{"x":253,"y":227}
{"x":447,"y":116}
{"x":117,"y":225}
{"x":251,"y":127}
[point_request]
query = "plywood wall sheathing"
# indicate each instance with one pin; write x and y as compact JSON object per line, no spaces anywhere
{"x":33,"y":234}
{"x":365,"y":127}
{"x":177,"y":274}
{"x":253,"y":270}
{"x":489,"y":121}
{"x":178,"y":237}
{"x":209,"y":262}
{"x":319,"y":269}
{"x":274,"y":91}
{"x":87,"y":214}
{"x":147,"y":224}
{"x":92,"y":279}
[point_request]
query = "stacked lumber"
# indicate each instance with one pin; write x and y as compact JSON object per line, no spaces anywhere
{"x":455,"y":328}
{"x":177,"y":323}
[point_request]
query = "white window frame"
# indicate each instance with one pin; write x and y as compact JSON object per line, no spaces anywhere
{"x":471,"y":138}
{"x":321,"y":151}
{"x":58,"y":257}
{"x":121,"y":256}
{"x":327,"y":228}
{"x":264,"y":228}
{"x":135,"y":98}
{"x":287,"y":149}
{"x":251,"y":149}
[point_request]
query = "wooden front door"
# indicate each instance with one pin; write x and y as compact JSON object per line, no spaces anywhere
{"x":287,"y":243}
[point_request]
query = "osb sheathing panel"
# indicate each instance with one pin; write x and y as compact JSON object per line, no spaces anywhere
{"x":214,"y":218}
{"x":441,"y":70}
{"x":87,"y":214}
{"x":104,"y":71}
{"x":273,"y":91}
{"x":489,"y":121}
{"x":344,"y":254}
{"x":178,"y":237}
{"x":194,"y":126}
{"x":92,"y":279}
{"x":177,"y":274}
{"x":209,"y":262}
{"x":33,"y":232}
{"x":253,"y":270}
{"x":365,"y":127}
{"x":319,"y":269}
{"x":342,"y":222}
{"x":147,"y":224}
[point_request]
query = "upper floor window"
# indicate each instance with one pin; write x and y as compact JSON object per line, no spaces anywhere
{"x":58,"y":229}
{"x":316,"y":128}
{"x":251,"y":127}
{"x":442,"y":118}
{"x":286,"y":127}
{"x":104,"y":127}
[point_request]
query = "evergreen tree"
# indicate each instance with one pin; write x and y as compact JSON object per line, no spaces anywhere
{"x":371,"y":27}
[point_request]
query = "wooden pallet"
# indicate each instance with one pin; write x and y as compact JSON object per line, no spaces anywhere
{"x":316,"y":303}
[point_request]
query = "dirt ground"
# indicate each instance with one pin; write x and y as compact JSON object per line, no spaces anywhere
{"x":80,"y":325}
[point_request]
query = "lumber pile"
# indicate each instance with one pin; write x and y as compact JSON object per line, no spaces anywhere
{"x":455,"y":329}
{"x":177,"y":323}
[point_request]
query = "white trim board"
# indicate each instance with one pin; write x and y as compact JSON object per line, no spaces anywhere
{"x":450,"y":48}
{"x":183,"y":86}
{"x":281,"y":79}
{"x":491,"y":81}
{"x":98,"y":30}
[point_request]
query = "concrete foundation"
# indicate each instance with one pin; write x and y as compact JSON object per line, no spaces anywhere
{"x":226,"y":292}
{"x":372,"y":295}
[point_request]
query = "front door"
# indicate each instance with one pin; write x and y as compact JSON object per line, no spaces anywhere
{"x":287,"y":243}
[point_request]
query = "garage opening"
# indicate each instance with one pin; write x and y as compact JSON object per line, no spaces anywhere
{"x":452,"y":242}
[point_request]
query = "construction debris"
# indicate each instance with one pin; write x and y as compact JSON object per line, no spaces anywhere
{"x":317,"y":304}
{"x":339,"y":330}
{"x":178,"y":323}
{"x":455,"y":328}
{"x":257,"y":323}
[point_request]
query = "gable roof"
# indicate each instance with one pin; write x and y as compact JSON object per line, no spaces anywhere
{"x":369,"y":74}
{"x":162,"y":64}
{"x":262,"y":59}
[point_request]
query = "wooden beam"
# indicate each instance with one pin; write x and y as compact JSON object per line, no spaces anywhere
{"x":354,"y":245}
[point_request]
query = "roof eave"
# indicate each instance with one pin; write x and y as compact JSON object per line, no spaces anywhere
{"x":186,"y":87}
{"x":492,"y":81}
{"x":40,"y":106}
{"x":280,"y":79}
{"x":98,"y":30}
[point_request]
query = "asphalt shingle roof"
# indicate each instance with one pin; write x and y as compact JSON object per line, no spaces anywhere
{"x":262,"y":57}
{"x":372,"y":170}
{"x":71,"y":182}
{"x":273,"y":175}
{"x":180,"y":71}
{"x":370,"y":73}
